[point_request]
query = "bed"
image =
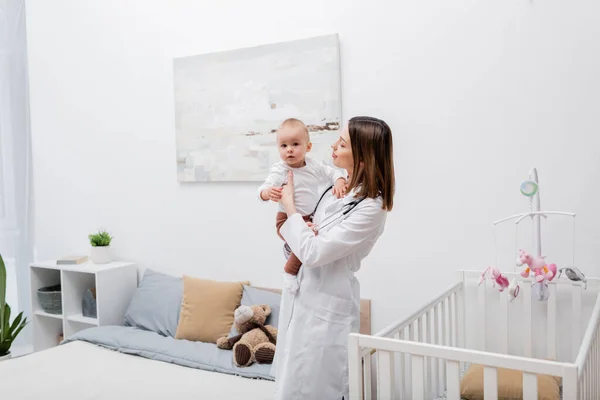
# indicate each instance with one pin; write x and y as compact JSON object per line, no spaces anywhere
{"x":471,"y":342}
{"x":83,"y":371}
{"x":142,"y":359}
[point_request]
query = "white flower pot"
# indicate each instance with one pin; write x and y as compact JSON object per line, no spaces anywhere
{"x":101,"y":254}
{"x":6,"y":357}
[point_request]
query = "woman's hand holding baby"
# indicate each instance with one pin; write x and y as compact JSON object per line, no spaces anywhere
{"x":287,"y":195}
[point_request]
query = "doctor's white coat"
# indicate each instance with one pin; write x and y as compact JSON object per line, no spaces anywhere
{"x":311,"y":360}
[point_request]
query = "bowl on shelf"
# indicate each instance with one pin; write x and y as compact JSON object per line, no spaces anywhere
{"x":50,"y":299}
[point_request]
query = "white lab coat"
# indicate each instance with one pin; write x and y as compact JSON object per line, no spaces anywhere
{"x":311,"y":360}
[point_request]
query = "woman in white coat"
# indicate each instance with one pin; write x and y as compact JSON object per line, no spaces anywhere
{"x":311,"y":360}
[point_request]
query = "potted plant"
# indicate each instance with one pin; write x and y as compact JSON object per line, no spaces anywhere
{"x":8,"y":330}
{"x":100,"y":253}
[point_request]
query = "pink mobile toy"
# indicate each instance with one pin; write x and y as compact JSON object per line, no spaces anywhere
{"x":501,"y":280}
{"x":496,"y":276}
{"x":537,"y":265}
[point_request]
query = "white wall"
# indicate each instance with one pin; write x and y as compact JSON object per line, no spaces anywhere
{"x":475,"y":92}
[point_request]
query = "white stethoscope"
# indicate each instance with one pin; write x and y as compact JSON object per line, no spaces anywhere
{"x":347,"y":208}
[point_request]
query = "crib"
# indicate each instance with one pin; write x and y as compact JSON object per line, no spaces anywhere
{"x":426,"y":355}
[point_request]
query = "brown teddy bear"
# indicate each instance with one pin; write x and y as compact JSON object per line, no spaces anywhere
{"x":256,"y":341}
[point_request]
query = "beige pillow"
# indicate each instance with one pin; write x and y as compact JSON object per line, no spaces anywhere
{"x":207,"y":309}
{"x":510,"y":385}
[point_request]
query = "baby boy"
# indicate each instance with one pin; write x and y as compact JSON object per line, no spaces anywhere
{"x":293,"y":142}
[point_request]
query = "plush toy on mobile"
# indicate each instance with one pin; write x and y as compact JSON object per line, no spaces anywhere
{"x":502,"y":281}
{"x":537,"y":265}
{"x":496,"y":276}
{"x":574,"y":274}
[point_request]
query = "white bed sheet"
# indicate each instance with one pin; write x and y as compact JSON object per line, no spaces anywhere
{"x":82,"y":371}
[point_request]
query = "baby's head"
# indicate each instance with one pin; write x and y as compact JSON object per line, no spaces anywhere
{"x":293,"y":142}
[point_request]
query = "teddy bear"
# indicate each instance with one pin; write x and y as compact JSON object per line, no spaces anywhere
{"x":256,"y":341}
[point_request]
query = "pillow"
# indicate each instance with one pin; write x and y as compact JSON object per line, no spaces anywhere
{"x":156,"y":303}
{"x":254,"y":296}
{"x":510,"y":385}
{"x":207,"y":309}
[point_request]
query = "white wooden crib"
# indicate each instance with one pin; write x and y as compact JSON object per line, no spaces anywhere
{"x":424,"y":355}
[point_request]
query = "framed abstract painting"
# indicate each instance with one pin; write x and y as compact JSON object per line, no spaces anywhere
{"x":229,"y":104}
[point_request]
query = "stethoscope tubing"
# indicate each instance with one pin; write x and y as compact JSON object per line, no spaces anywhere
{"x":346,"y":209}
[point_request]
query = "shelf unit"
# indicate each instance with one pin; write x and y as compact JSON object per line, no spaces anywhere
{"x":115,"y":285}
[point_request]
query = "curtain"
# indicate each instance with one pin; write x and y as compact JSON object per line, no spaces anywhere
{"x":16,"y":239}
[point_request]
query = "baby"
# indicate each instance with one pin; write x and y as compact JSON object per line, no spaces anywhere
{"x":293,"y":142}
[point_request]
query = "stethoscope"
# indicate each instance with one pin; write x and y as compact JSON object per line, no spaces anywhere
{"x":347,"y":208}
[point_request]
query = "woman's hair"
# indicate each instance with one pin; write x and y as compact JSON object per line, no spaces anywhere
{"x":373,"y":153}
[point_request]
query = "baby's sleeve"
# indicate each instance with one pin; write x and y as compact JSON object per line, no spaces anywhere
{"x":276,"y":177}
{"x":330,"y":174}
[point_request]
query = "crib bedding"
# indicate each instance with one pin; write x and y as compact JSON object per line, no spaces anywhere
{"x":462,"y":374}
{"x":80,"y":370}
{"x":445,"y":397}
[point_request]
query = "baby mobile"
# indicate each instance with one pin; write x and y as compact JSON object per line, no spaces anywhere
{"x":534,"y":265}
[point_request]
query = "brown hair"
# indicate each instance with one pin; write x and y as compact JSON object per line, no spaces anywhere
{"x":373,"y":153}
{"x":295,"y":123}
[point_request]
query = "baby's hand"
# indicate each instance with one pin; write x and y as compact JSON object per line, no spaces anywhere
{"x":272,"y":193}
{"x":339,"y":189}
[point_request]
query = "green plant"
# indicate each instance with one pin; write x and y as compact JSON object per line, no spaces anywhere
{"x":100,"y":239}
{"x":8,"y":331}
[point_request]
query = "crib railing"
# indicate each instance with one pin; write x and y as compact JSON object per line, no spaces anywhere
{"x":439,"y":322}
{"x":431,"y":353}
{"x":588,"y":359}
{"x":575,"y":290}
{"x":387,"y":348}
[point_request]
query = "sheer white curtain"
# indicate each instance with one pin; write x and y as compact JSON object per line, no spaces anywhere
{"x":16,"y":238}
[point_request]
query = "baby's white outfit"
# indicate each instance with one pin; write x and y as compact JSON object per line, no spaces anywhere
{"x":307,"y":180}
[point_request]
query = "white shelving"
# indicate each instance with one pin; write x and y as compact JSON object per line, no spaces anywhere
{"x":115,"y":285}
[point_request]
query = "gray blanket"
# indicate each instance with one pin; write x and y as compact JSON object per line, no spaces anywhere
{"x":206,"y":356}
